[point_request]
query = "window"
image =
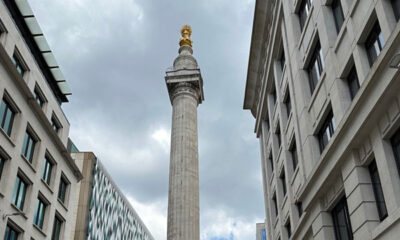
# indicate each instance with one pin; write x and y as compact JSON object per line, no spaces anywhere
{"x":39,"y":213}
{"x":283,"y":181}
{"x":7,"y":115}
{"x":304,"y":12}
{"x":282,"y":59}
{"x":341,"y":221}
{"x":377,"y":187}
{"x":271,"y":161}
{"x":278,"y":135}
{"x":62,"y":190}
{"x":28,"y":147}
{"x":19,"y":193}
{"x":46,"y":173}
{"x":287,"y":103}
{"x":56,"y":235}
{"x":293,"y":152}
{"x":263,"y":235}
{"x":337,"y":14}
{"x":11,"y":233}
{"x":275,"y":205}
{"x":2,"y":161}
{"x":374,"y":43}
{"x":396,"y":8}
{"x":315,"y":67}
{"x":55,"y":124}
{"x":352,"y":81}
{"x":327,"y":130}
{"x":18,"y":64}
{"x":299,"y":206}
{"x":395,"y":140}
{"x":288,"y":229}
{"x":38,"y":97}
{"x":274,"y":95}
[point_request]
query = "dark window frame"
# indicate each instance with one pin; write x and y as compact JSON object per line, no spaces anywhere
{"x":304,"y":12}
{"x":338,"y":14}
{"x":57,"y":228}
{"x":47,"y":170}
{"x":39,"y":96}
{"x":395,"y":142}
{"x":271,"y":162}
{"x":374,"y":43}
{"x":329,"y":127}
{"x":299,"y":206}
{"x":55,"y":123}
{"x":40,"y":212}
{"x":353,"y":82}
{"x":293,"y":153}
{"x":6,"y":120}
{"x":11,"y":233}
{"x":396,"y":9}
{"x":282,"y":177}
{"x":63,"y":189}
{"x":19,"y":63}
{"x":377,"y":189}
{"x":17,"y":199}
{"x":275,"y":203}
{"x":288,"y":228}
{"x":278,"y":135}
{"x":342,"y":206}
{"x":287,"y":102}
{"x":315,"y":67}
{"x":29,"y":145}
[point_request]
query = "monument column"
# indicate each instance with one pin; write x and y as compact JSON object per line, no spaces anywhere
{"x":185,"y":88}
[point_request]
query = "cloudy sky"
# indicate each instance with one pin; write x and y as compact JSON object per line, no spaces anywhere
{"x":114,"y":55}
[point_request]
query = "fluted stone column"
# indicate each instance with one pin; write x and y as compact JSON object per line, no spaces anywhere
{"x":185,"y":87}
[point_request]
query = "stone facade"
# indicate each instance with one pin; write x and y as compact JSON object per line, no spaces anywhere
{"x":34,"y":131}
{"x":185,"y":87}
{"x":328,"y":156}
{"x":101,"y":209}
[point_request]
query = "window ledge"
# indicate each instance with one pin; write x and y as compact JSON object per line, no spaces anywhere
{"x":386,"y":224}
{"x":47,"y":185}
{"x":271,"y":178}
{"x":284,"y":201}
{"x":39,"y":230}
{"x":316,"y":90}
{"x":340,"y":37}
{"x":7,"y":137}
{"x":29,"y":164}
{"x":62,"y":204}
{"x":288,"y":122}
{"x":19,"y":211}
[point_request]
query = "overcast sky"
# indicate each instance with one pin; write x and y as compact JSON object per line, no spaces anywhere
{"x":114,"y":54}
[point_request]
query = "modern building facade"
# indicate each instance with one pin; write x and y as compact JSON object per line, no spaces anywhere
{"x":185,"y":88}
{"x":102,"y":211}
{"x":37,"y":174}
{"x":261,"y":233}
{"x":326,"y":101}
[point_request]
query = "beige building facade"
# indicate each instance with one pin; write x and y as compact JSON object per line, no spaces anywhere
{"x":323,"y":86}
{"x":37,"y":174}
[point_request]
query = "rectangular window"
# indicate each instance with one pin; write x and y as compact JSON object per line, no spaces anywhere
{"x":2,"y":162}
{"x":28,"y":147}
{"x":18,"y":64}
{"x":39,"y":213}
{"x":274,"y":95}
{"x":271,"y":162}
{"x":263,"y":235}
{"x":282,"y":59}
{"x":56,"y":235}
{"x":287,"y":103}
{"x":46,"y":173}
{"x":341,"y":221}
{"x":299,"y":206}
{"x":374,"y":43}
{"x":275,"y":205}
{"x":396,"y":8}
{"x":304,"y":12}
{"x":352,"y":81}
{"x":283,"y":181}
{"x":19,"y":193}
{"x":315,"y":67}
{"x":55,"y":124}
{"x":377,"y":187}
{"x":62,"y":190}
{"x":395,"y":140}
{"x":327,"y":130}
{"x":11,"y":233}
{"x":38,"y":97}
{"x":288,"y":228}
{"x":278,"y":135}
{"x":7,"y":115}
{"x":293,"y":152}
{"x":338,"y":14}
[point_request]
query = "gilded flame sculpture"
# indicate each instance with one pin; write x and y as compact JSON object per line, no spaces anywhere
{"x":185,"y":40}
